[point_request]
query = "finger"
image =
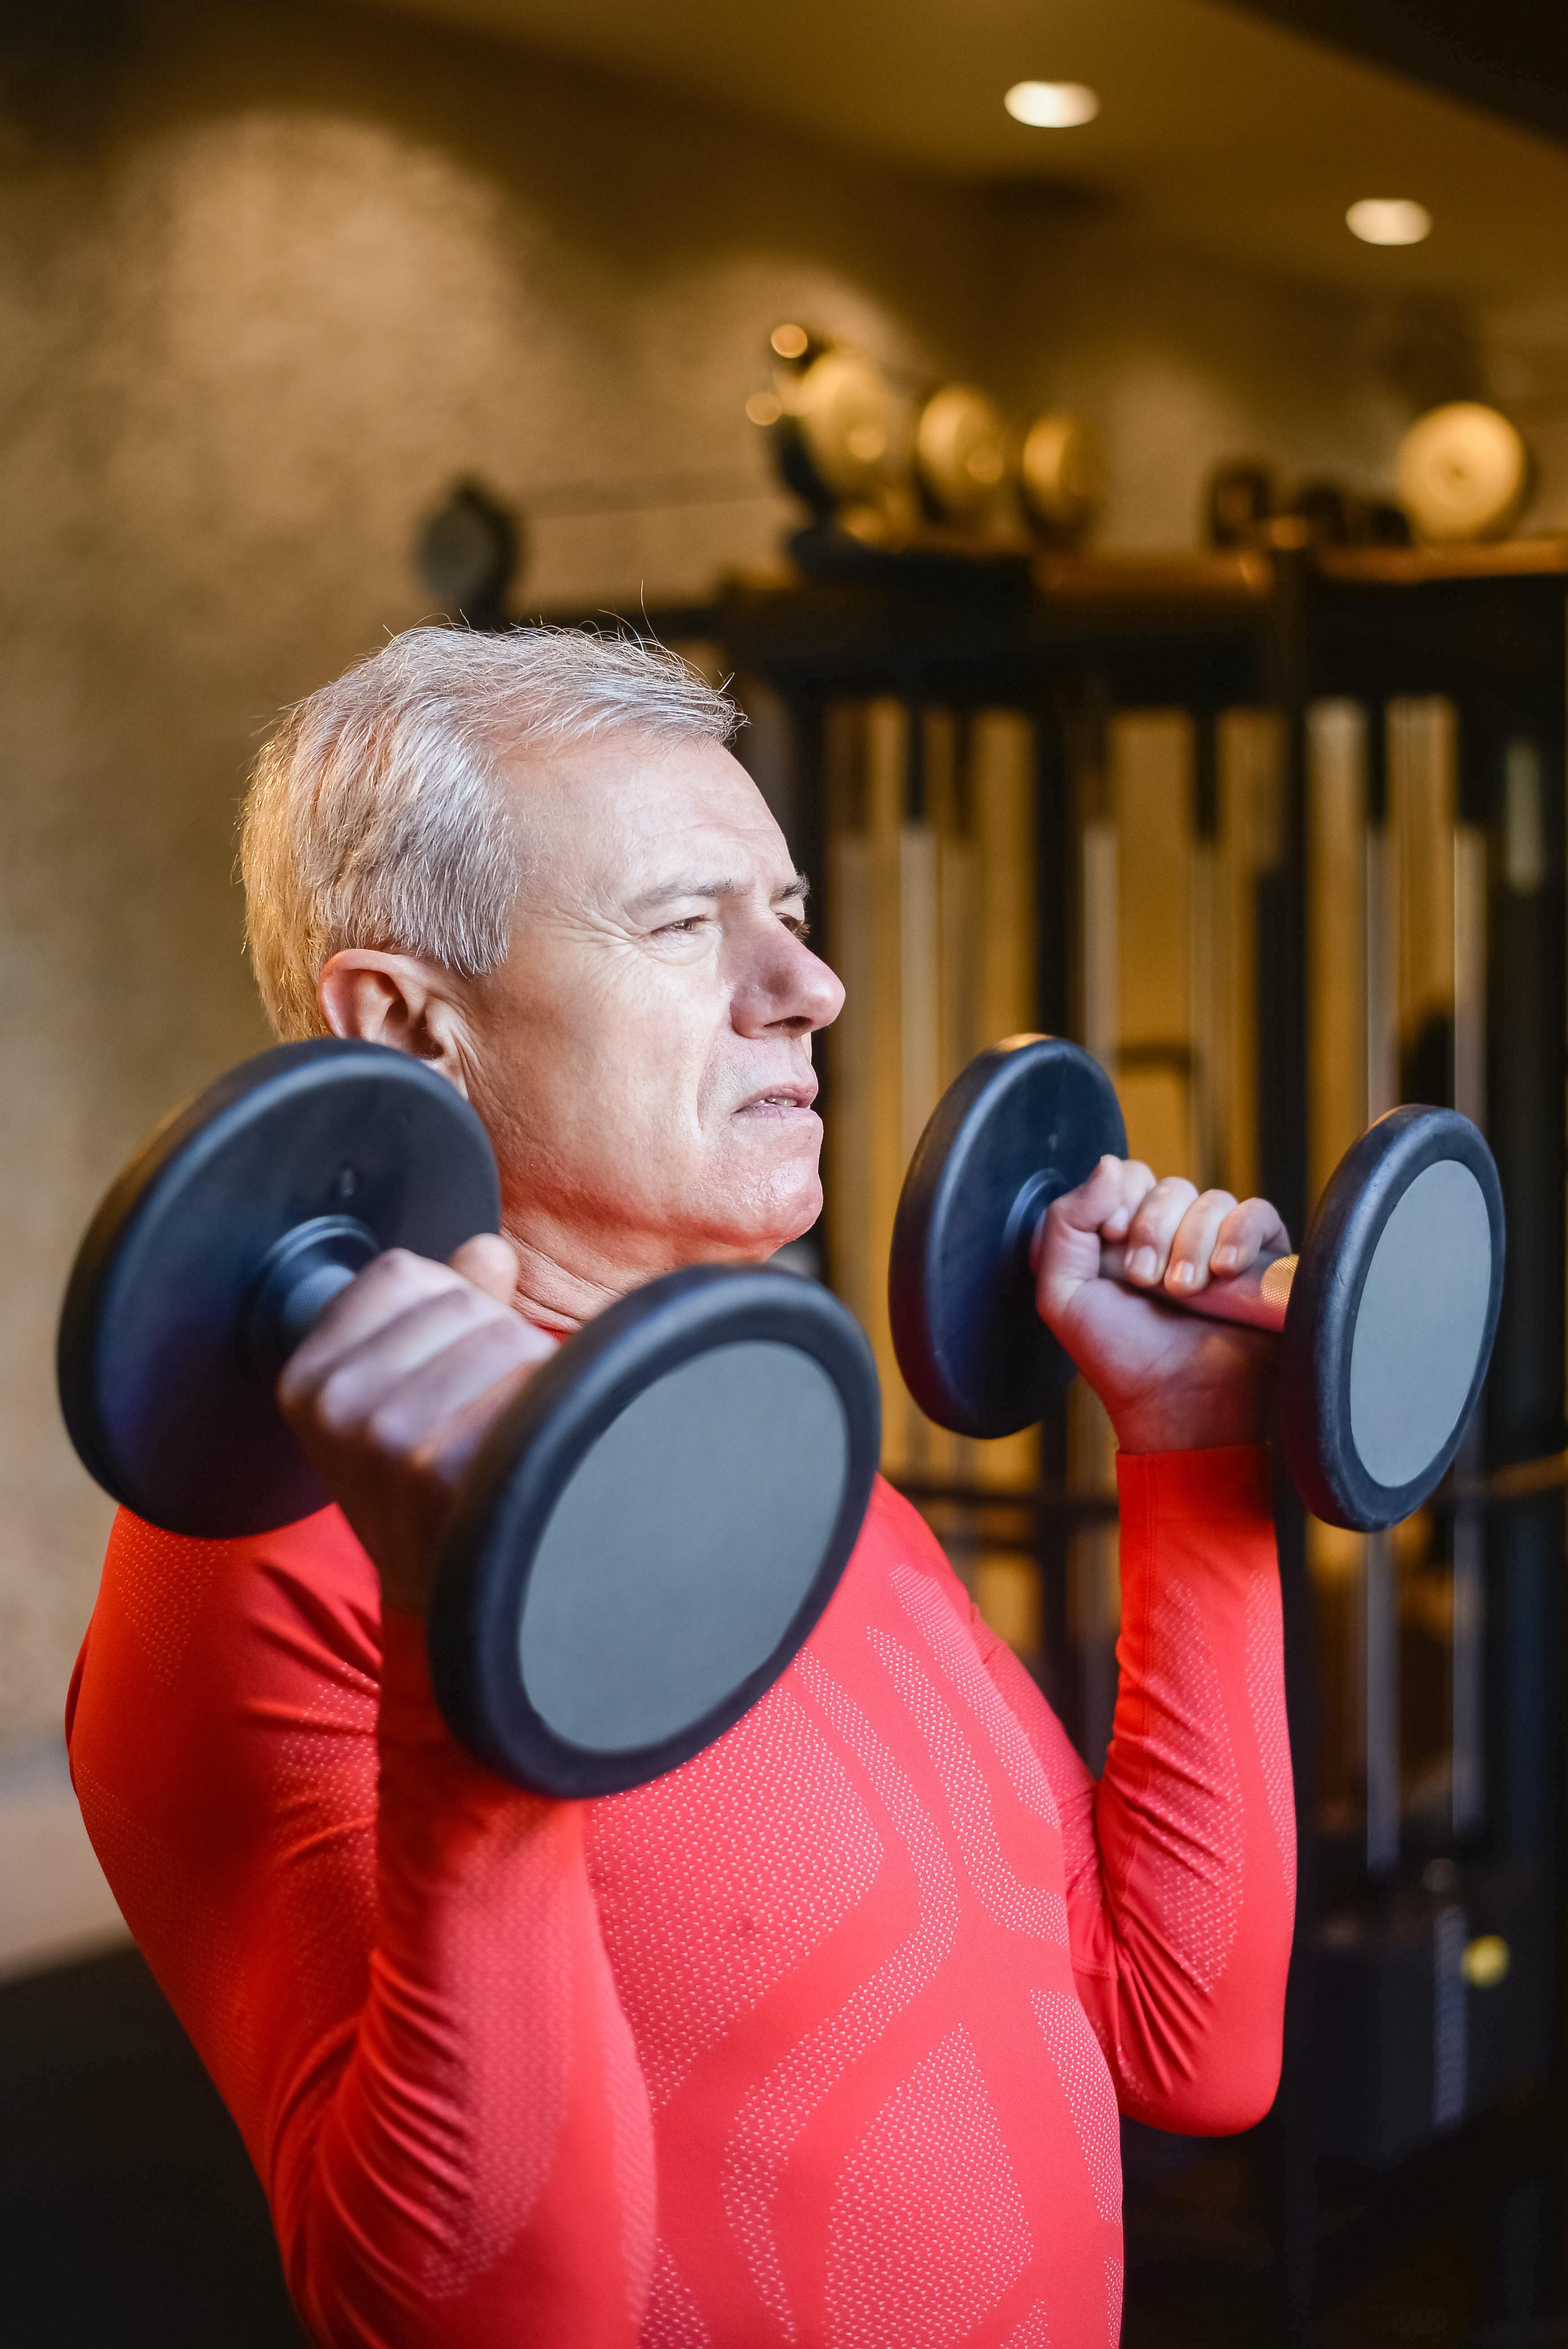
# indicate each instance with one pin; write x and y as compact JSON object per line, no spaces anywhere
{"x":1137,"y":1182}
{"x":393,"y":1332}
{"x":1153,"y":1227}
{"x":449,"y":1453}
{"x":1188,"y":1270}
{"x":379,"y":1294}
{"x":1250,"y":1230}
{"x":414,"y":1414}
{"x":1113,"y":1189}
{"x":489,"y":1261}
{"x":1068,"y":1245}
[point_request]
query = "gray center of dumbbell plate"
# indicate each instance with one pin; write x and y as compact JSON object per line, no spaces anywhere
{"x":683,"y":1544}
{"x":1421,"y":1323}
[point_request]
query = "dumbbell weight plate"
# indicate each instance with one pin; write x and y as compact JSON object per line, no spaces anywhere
{"x":1464,"y":472}
{"x":1061,"y":475}
{"x":960,"y":450}
{"x":1023,"y":1123}
{"x":161,"y":1394}
{"x":1391,"y":1318}
{"x":654,"y":1527}
{"x":853,"y":429}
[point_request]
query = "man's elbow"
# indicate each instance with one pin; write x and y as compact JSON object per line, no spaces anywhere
{"x":1215,"y":2098}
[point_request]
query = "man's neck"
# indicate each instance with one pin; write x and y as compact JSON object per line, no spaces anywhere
{"x":560,"y":1286}
{"x":554,"y":1297}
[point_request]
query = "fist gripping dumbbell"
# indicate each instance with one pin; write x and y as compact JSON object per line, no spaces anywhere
{"x":651,"y":1529}
{"x":1386,"y":1319}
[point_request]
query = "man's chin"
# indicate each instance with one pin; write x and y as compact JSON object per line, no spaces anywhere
{"x":762,"y":1187}
{"x":766,"y":1225}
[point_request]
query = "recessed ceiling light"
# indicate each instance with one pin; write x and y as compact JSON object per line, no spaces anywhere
{"x":1051,"y":105}
{"x":1388,"y":220}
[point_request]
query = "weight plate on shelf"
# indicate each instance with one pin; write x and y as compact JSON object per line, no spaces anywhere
{"x":1463,"y":473}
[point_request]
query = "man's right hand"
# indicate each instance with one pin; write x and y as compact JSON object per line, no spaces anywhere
{"x":395,"y":1389}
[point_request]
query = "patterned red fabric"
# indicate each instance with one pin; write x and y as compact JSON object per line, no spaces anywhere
{"x":820,"y":2041}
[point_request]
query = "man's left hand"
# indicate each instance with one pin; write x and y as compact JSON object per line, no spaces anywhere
{"x":1170,"y":1381}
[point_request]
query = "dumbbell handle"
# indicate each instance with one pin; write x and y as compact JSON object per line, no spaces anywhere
{"x":297,"y":1280}
{"x":1257,"y":1297}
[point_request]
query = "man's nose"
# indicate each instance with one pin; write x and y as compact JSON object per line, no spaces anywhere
{"x":788,"y":986}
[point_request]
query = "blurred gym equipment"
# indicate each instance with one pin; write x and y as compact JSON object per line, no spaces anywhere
{"x":1242,"y":497}
{"x":467,"y":554}
{"x":1464,"y":472}
{"x":1061,"y":475}
{"x":843,"y":436}
{"x":960,"y":453}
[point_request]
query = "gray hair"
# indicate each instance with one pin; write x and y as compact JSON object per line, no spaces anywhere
{"x":378,"y":813}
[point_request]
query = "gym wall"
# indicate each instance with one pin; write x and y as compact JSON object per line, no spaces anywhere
{"x":270,"y":278}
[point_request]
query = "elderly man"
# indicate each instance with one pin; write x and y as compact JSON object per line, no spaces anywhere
{"x":820,"y":2040}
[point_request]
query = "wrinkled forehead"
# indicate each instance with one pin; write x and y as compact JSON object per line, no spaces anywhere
{"x":615,"y":818}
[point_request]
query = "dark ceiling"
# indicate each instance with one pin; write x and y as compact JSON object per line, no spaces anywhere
{"x":1508,"y":55}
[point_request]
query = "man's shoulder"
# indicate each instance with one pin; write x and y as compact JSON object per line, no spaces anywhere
{"x":893,"y":1521}
{"x":174,"y":1608}
{"x":318,"y":1550}
{"x":895,"y":1549}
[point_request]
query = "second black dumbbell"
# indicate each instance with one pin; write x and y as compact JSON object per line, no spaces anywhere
{"x":1387,"y":1318}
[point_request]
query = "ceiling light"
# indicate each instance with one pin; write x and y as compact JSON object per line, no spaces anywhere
{"x":1051,"y":105}
{"x":789,"y":342}
{"x":1388,"y":220}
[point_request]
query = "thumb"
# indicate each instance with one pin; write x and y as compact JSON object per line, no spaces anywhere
{"x":1067,"y":1246}
{"x":491,"y":1263}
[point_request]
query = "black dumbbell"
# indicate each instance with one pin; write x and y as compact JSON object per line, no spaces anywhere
{"x":1388,"y":1316}
{"x":651,"y":1529}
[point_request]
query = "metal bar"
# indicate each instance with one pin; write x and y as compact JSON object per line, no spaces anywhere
{"x":1467,"y":1669}
{"x":1467,"y":1653}
{"x":1281,"y":1098}
{"x":1380,"y":1693}
{"x":1064,"y":1508}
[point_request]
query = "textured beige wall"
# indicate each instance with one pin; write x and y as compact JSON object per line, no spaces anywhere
{"x":269,"y":278}
{"x":1180,"y":362}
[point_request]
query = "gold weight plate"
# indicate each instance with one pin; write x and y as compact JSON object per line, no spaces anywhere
{"x":960,"y":450}
{"x":1464,"y":473}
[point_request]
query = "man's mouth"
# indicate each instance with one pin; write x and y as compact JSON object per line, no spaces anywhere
{"x":779,"y":1101}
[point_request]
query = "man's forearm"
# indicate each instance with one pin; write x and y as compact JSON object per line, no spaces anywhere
{"x":1193,"y":1816}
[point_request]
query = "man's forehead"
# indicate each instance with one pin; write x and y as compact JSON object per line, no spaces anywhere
{"x":635,"y":817}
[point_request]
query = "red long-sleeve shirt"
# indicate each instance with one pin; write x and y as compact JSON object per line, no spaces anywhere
{"x":819,"y":2041}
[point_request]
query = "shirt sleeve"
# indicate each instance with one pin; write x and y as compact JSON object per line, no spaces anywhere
{"x":1180,"y":1860}
{"x":389,"y":1959}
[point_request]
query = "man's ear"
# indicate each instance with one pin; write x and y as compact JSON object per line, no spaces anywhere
{"x":396,"y":1000}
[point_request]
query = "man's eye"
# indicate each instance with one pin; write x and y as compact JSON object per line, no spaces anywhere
{"x":797,"y":925}
{"x":684,"y":927}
